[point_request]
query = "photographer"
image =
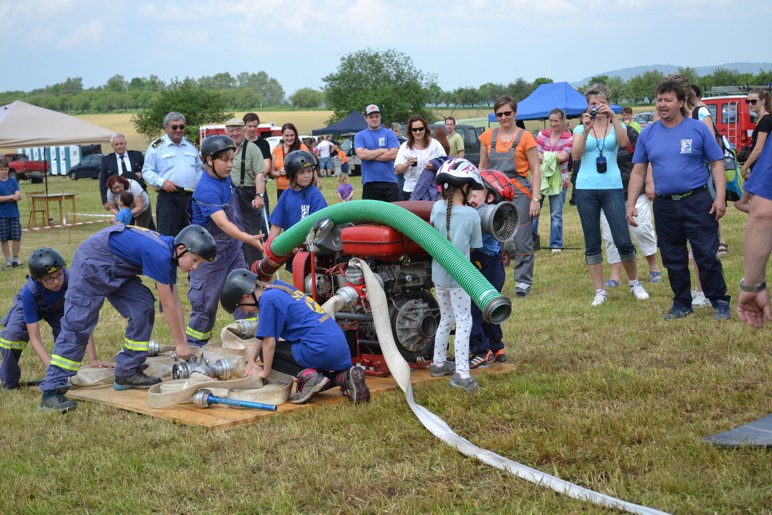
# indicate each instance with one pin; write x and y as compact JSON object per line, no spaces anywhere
{"x":599,"y":187}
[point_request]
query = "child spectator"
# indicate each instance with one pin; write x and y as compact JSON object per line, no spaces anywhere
{"x":461,"y":225}
{"x":125,"y":201}
{"x":294,"y":336}
{"x":215,"y":207}
{"x":486,"y":339}
{"x":343,"y":160}
{"x":301,"y":199}
{"x":345,"y":190}
{"x":42,"y":298}
{"x":107,"y":266}
{"x":10,"y":227}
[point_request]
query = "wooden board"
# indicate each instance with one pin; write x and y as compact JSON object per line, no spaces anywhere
{"x":224,"y":417}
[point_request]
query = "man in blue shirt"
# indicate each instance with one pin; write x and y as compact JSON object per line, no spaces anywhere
{"x":173,"y":167}
{"x":377,"y":147}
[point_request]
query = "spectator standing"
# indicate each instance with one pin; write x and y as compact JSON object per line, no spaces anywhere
{"x":325,"y":156}
{"x":627,"y":119}
{"x":684,"y":210}
{"x":512,"y":150}
{"x":251,"y":125}
{"x":397,"y":129}
{"x":377,"y":147}
{"x":290,"y":143}
{"x":556,"y":140}
{"x":753,"y":304}
{"x":173,"y":167}
{"x":120,"y":162}
{"x":415,"y":154}
{"x":248,"y":177}
{"x":454,"y":139}
{"x":10,"y":225}
{"x":345,"y":189}
{"x":759,"y":102}
{"x":599,"y":188}
{"x":140,"y":207}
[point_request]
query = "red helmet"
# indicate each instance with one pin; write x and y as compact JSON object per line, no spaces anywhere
{"x":499,"y":184}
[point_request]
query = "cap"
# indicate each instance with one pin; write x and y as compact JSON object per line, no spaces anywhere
{"x":372,"y":108}
{"x":235,"y":122}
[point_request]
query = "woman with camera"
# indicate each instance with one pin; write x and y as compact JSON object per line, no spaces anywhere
{"x":599,"y":187}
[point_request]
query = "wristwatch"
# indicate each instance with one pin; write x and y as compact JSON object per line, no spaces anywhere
{"x":752,"y":289}
{"x":261,"y":195}
{"x":535,"y":200}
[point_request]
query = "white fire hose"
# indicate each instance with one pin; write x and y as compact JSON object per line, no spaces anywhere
{"x":401,"y":372}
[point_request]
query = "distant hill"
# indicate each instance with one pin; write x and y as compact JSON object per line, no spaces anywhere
{"x":628,"y":73}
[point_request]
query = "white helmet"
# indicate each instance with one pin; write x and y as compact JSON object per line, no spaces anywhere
{"x":459,"y":172}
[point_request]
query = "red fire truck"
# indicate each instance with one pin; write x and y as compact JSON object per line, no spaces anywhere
{"x":265,"y":129}
{"x":733,"y":119}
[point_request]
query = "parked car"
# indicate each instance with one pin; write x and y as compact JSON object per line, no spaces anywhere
{"x":87,"y":168}
{"x":21,"y":167}
{"x":644,"y":118}
{"x":471,"y":135}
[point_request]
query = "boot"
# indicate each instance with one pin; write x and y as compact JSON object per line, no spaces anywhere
{"x":54,"y":400}
{"x":138,"y":380}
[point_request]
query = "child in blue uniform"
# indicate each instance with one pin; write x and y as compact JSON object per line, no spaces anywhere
{"x":314,"y":348}
{"x":42,"y":298}
{"x":299,"y":200}
{"x":107,"y":266}
{"x":216,"y":208}
{"x":486,"y":339}
{"x":461,"y":225}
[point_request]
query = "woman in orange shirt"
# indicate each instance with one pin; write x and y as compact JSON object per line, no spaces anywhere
{"x":290,"y":142}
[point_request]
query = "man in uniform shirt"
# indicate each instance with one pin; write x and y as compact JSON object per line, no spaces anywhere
{"x":172,"y":167}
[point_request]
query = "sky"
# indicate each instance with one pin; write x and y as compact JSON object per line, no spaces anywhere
{"x":298,"y":42}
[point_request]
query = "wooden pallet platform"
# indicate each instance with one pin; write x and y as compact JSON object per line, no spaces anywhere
{"x":225,"y":417}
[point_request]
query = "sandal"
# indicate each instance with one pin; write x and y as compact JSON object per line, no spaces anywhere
{"x":723,"y":248}
{"x":611,"y":283}
{"x":655,"y":277}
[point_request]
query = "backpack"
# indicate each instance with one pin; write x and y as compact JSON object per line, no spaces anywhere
{"x":734,"y":191}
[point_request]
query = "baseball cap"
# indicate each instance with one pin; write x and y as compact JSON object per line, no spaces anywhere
{"x":372,"y":108}
{"x":235,"y":122}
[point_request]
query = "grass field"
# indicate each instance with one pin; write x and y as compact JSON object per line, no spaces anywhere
{"x":612,"y":398}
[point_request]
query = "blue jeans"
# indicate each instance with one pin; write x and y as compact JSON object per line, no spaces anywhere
{"x":556,"y":219}
{"x":589,"y":204}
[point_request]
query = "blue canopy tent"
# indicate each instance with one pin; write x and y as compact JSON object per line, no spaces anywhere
{"x":354,"y":122}
{"x":546,"y":97}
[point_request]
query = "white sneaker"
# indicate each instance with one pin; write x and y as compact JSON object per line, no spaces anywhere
{"x":699,"y":300}
{"x":600,"y":298}
{"x":638,"y":291}
{"x":557,"y":251}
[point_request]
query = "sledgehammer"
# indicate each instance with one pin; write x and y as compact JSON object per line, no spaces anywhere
{"x":204,"y":398}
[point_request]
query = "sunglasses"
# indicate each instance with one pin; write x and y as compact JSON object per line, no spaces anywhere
{"x":502,"y":114}
{"x":752,"y":101}
{"x":180,"y":127}
{"x":418,"y":129}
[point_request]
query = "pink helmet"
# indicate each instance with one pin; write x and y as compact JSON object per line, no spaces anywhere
{"x":459,"y":172}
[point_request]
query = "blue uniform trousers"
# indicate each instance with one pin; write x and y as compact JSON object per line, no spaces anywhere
{"x":484,"y":335}
{"x":688,"y":220}
{"x":14,"y":340}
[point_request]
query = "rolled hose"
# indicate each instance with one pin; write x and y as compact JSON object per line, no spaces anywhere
{"x":495,"y":307}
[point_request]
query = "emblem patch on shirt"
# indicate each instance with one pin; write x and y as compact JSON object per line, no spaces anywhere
{"x":305,"y":210}
{"x":686,"y":146}
{"x":381,"y":142}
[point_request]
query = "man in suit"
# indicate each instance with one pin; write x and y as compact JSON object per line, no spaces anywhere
{"x":122,"y":162}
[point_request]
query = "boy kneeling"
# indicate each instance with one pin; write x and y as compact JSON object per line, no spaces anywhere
{"x":315,"y":349}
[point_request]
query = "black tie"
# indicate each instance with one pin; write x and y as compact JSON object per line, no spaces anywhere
{"x":123,"y":165}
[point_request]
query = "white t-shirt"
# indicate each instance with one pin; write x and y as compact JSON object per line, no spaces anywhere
{"x":324,"y":147}
{"x":135,"y":190}
{"x":423,"y":155}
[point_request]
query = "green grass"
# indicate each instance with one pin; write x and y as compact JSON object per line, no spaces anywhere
{"x":611,"y":398}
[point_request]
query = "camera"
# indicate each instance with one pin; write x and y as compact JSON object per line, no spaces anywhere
{"x":593,"y":112}
{"x":600,"y":164}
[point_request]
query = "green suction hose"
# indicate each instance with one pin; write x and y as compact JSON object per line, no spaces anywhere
{"x":495,"y":307}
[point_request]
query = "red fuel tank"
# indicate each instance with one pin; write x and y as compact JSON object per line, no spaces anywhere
{"x":380,"y":242}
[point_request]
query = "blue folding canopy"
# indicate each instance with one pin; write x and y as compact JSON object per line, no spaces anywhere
{"x":546,"y":97}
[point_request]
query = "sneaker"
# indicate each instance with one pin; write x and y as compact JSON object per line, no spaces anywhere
{"x":699,"y":300}
{"x":721,"y":310}
{"x":655,"y":277}
{"x":8,"y":264}
{"x":521,"y":294}
{"x":309,"y":383}
{"x":355,"y":387}
{"x":677,"y":312}
{"x":600,"y":298}
{"x":139,"y":380}
{"x":481,"y":360}
{"x":55,"y":400}
{"x":556,"y":251}
{"x":469,"y":385}
{"x":500,"y":357}
{"x":16,"y":262}
{"x":445,"y":369}
{"x":637,"y":290}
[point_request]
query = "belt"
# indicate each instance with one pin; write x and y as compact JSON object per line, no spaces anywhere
{"x":681,"y":196}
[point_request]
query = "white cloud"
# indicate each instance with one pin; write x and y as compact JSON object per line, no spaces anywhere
{"x":83,"y":35}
